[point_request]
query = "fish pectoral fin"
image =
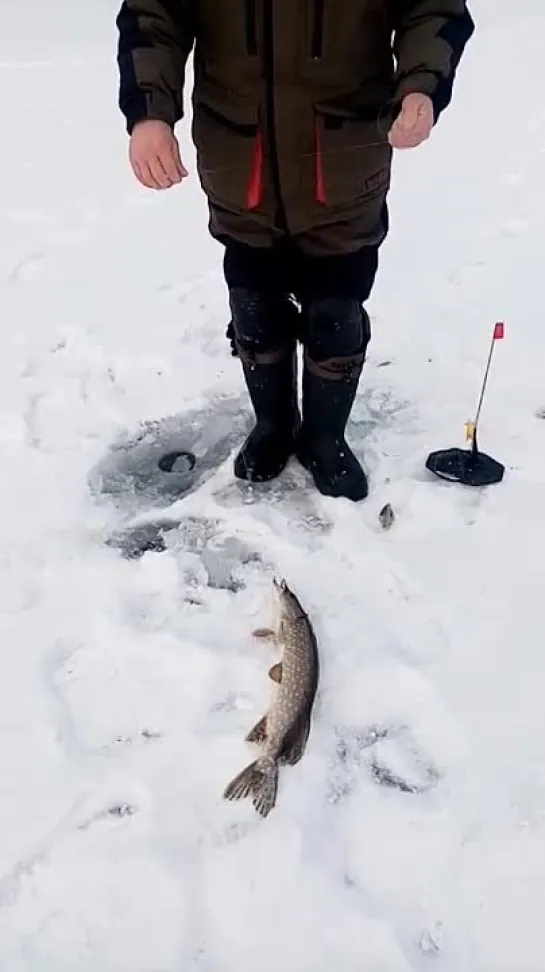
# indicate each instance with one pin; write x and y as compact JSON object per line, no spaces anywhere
{"x":275,"y":673}
{"x":266,"y":634}
{"x":259,"y":732}
{"x":295,"y":741}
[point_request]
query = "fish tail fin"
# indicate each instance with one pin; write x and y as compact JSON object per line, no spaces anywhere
{"x":260,"y":781}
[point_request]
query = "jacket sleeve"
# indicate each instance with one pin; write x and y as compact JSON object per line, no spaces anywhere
{"x":430,"y":37}
{"x":155,"y":40}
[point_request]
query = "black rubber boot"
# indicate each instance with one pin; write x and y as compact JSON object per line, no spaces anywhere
{"x":329,"y":390}
{"x":271,"y":380}
{"x":270,"y":372}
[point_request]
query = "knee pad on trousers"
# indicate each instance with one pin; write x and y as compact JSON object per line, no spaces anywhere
{"x":261,"y":322}
{"x":336,"y":328}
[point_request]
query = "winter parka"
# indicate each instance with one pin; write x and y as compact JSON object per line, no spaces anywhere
{"x":291,"y":103}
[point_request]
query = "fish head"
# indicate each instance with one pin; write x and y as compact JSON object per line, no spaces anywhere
{"x":289,"y":608}
{"x":279,"y":587}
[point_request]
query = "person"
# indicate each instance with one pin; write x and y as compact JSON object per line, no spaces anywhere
{"x":297,"y":108}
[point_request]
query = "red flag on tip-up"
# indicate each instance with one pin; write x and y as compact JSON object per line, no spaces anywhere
{"x":470,"y":467}
{"x":499,"y":331}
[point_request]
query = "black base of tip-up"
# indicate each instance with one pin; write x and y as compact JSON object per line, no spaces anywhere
{"x":466,"y":466}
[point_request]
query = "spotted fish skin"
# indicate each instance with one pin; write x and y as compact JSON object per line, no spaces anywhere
{"x":284,"y":730}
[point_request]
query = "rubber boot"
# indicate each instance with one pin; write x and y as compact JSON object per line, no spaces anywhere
{"x":329,"y":390}
{"x":271,"y":379}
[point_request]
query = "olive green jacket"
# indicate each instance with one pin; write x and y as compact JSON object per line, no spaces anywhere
{"x":292,"y":101}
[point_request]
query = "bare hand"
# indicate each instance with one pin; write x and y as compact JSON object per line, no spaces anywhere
{"x":154,"y":154}
{"x":414,"y":123}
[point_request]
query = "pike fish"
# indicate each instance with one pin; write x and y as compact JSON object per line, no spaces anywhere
{"x":283,"y":731}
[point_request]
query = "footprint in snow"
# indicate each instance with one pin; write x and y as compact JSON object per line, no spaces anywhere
{"x":292,"y":496}
{"x":116,"y":811}
{"x":221,"y":556}
{"x":388,"y":754}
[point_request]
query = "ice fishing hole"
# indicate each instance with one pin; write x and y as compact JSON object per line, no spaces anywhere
{"x":171,"y":462}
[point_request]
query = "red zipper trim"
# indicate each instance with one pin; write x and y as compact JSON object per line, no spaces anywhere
{"x":255,"y":181}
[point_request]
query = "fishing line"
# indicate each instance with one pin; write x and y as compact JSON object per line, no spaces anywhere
{"x":305,"y":156}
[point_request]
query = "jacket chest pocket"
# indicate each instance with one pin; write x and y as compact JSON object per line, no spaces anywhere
{"x":337,"y":28}
{"x":229,"y":27}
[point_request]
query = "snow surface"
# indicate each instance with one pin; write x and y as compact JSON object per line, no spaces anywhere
{"x":127,"y":685}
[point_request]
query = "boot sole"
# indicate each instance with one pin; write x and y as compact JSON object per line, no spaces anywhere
{"x":245,"y":475}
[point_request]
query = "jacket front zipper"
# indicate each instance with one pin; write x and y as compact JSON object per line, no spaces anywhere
{"x":251,"y":29}
{"x":268,"y":71}
{"x":317,"y":49}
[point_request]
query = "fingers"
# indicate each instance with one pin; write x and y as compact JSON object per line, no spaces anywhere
{"x":400,"y":139}
{"x":159,"y":166}
{"x":167,"y":167}
{"x":410,"y":116}
{"x":143,"y":174}
{"x":409,"y":130}
{"x":160,"y":172}
{"x":178,"y":166}
{"x":154,"y":155}
{"x":414,"y":123}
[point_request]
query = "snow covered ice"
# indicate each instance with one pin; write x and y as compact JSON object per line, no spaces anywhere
{"x":128,"y":683}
